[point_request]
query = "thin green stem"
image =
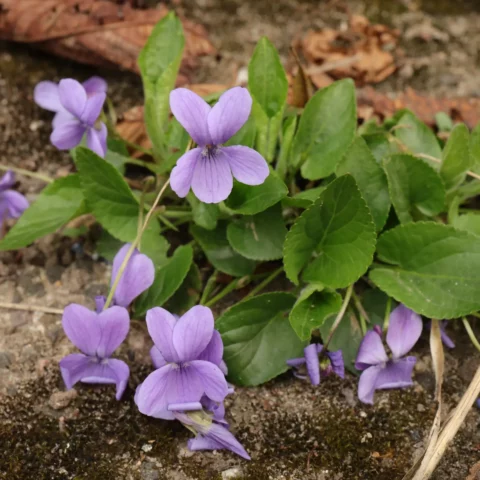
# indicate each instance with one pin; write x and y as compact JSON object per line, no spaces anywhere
{"x":209,"y":287}
{"x":476,"y":314}
{"x":141,"y":163}
{"x":361,"y":312}
{"x":167,"y":222}
{"x":229,"y":288}
{"x":27,"y":173}
{"x":341,"y":313}
{"x":265,"y":282}
{"x":472,"y":336}
{"x":136,"y":146}
{"x":388,"y":309}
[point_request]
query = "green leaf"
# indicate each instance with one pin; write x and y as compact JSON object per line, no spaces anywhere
{"x":417,"y":137}
{"x":413,"y":185}
{"x":475,"y":148}
{"x":469,"y":222}
{"x":188,"y":293}
{"x":268,"y":85}
{"x":117,"y":160}
{"x":347,"y":338}
{"x":167,"y":280}
{"x":107,"y":246}
{"x":311,"y":312}
{"x":259,"y":237}
{"x":205,"y":215}
{"x":456,"y":159}
{"x":249,"y":200}
{"x":444,"y":122}
{"x":59,"y":202}
{"x":326,"y":129}
{"x":159,"y":62}
{"x":177,"y":140}
{"x":431,"y":268}
{"x":371,"y":179}
{"x":246,"y":135}
{"x":380,"y":146}
{"x":304,"y":199}
{"x":219,"y":252}
{"x":258,"y":339}
{"x":114,"y":205}
{"x":339,"y":231}
{"x":288,"y":132}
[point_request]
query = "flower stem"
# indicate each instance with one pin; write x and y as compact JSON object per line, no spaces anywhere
{"x":341,"y":313}
{"x":361,"y":311}
{"x":386,"y":319}
{"x":134,"y":245}
{"x":229,"y":288}
{"x":472,"y":336}
{"x":27,"y":173}
{"x":265,"y":282}
{"x":31,"y":308}
{"x":209,"y":286}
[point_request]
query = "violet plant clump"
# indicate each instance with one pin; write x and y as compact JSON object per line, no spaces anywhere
{"x":331,"y":362}
{"x":378,"y":370}
{"x":12,"y":203}
{"x":77,"y":107}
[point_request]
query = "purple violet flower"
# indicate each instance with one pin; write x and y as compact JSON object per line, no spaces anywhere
{"x":447,"y":341}
{"x":331,"y":363}
{"x":137,"y":277}
{"x":187,"y":372}
{"x":380,"y":372}
{"x":211,"y":435}
{"x":97,"y":335}
{"x":208,"y":169}
{"x":77,"y":107}
{"x":12,"y":203}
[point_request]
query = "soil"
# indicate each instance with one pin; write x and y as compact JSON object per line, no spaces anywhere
{"x":291,"y":429}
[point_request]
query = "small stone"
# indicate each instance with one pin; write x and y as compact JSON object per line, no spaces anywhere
{"x":147,"y":448}
{"x":363,"y":414}
{"x":5,"y":359}
{"x":59,"y":400}
{"x":232,"y":473}
{"x":420,"y":408}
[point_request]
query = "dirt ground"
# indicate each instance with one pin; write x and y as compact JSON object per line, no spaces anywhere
{"x":291,"y":429}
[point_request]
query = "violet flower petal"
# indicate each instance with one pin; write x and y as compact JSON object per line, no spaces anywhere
{"x":97,"y":140}
{"x":95,"y":85}
{"x":72,"y":96}
{"x":192,"y":333}
{"x":213,"y":380}
{"x":151,"y":395}
{"x":371,"y":351}
{"x":100,"y":301}
{"x":338,"y":365}
{"x":67,"y":135}
{"x":246,"y":164}
{"x":63,"y":117}
{"x":212,"y":179}
{"x":182,"y":174}
{"x":217,"y":437}
{"x":77,"y":367}
{"x":229,"y":114}
{"x":93,"y":107}
{"x":157,"y":358}
{"x":296,"y":362}
{"x":448,"y":342}
{"x":313,"y":366}
{"x":114,"y":323}
{"x":160,"y":325}
{"x":137,"y":277}
{"x":192,"y":112}
{"x":396,"y":374}
{"x":46,"y":95}
{"x":214,"y":350}
{"x":16,"y":203}
{"x":367,"y":382}
{"x":404,"y":330}
{"x":7,"y":181}
{"x":223,"y":367}
{"x":185,"y":407}
{"x":82,"y":328}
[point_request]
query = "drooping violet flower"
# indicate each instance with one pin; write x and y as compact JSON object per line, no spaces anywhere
{"x":97,"y":335}
{"x":12,"y":203}
{"x":77,"y":107}
{"x":332,"y":362}
{"x":182,"y":379}
{"x":137,"y":277}
{"x":209,"y":168}
{"x":211,"y":435}
{"x":380,"y":372}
